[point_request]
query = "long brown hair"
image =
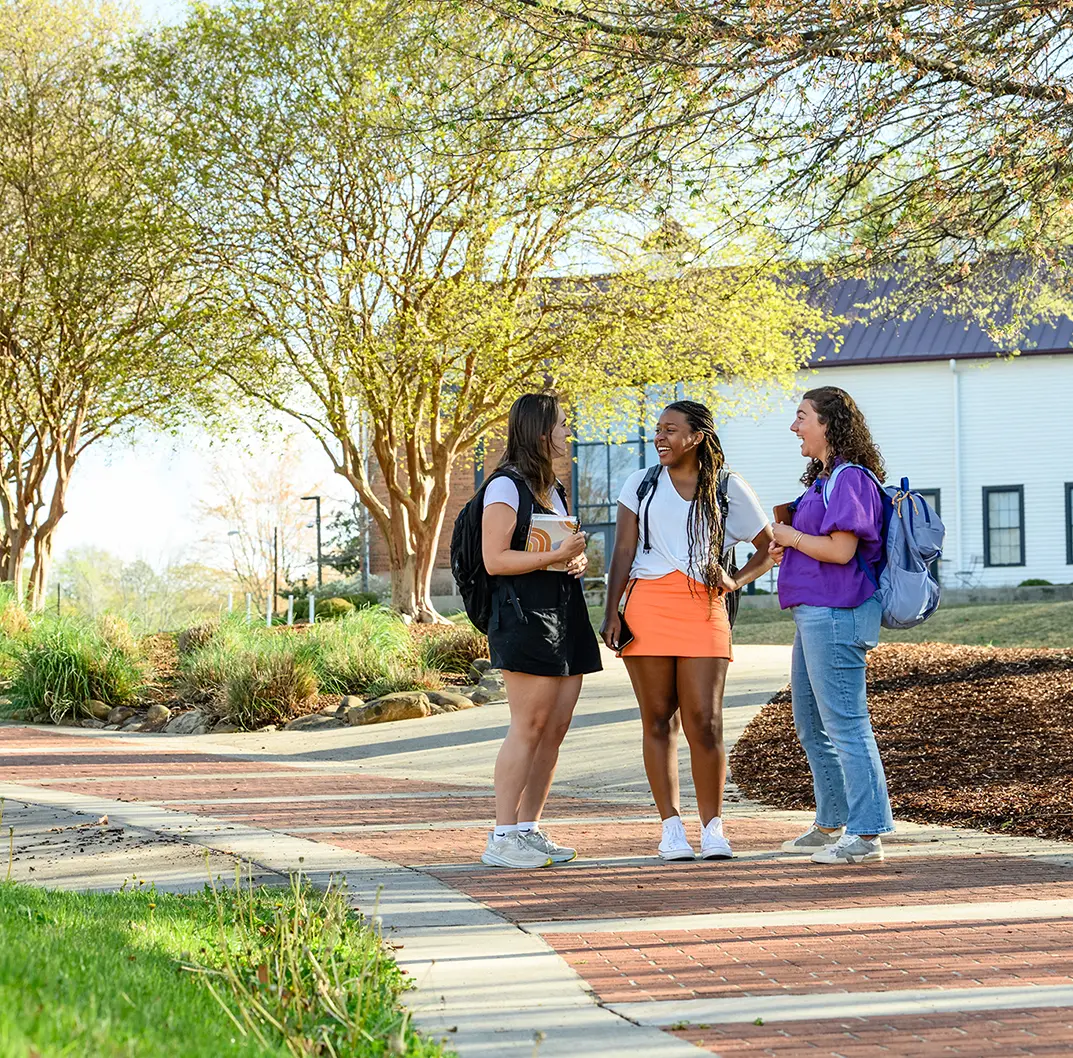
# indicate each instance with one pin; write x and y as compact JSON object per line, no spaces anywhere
{"x":848,"y":437}
{"x":532,"y":418}
{"x":704,"y":513}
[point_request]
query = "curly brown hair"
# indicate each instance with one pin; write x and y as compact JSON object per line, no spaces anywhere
{"x":848,"y":437}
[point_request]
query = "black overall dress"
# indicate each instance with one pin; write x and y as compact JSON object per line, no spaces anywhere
{"x":540,"y":624}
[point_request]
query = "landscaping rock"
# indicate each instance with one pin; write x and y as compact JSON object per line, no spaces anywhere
{"x":492,"y":676}
{"x":92,"y":722}
{"x":482,"y":664}
{"x":119,"y":714}
{"x":158,"y":713}
{"x":313,"y":722}
{"x":448,"y":701}
{"x":350,"y":701}
{"x":403,"y":705}
{"x":190,"y":723}
{"x":98,"y":710}
{"x":133,"y":723}
{"x":225,"y":727}
{"x":268,"y":727}
{"x":486,"y":695}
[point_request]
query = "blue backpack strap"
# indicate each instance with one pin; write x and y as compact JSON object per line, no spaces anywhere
{"x":648,"y":488}
{"x":829,"y":485}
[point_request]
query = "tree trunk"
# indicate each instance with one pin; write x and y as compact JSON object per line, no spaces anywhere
{"x":39,"y":571}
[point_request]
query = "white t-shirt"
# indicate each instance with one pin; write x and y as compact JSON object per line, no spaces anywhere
{"x":505,"y":490}
{"x":667,"y":524}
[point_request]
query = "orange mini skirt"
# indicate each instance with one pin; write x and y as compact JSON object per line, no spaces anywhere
{"x":669,"y":617}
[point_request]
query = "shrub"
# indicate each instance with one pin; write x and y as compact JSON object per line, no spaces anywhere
{"x":364,"y":652}
{"x":1034,"y":582}
{"x":63,"y":661}
{"x":333,"y":608}
{"x":453,"y":649}
{"x":194,"y":638}
{"x":361,"y":600}
{"x":267,"y":686}
{"x":115,"y":631}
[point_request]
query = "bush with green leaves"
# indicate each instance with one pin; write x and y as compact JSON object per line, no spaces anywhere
{"x":333,"y":608}
{"x":62,"y":662}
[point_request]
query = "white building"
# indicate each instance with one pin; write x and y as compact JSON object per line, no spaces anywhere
{"x":987,"y":436}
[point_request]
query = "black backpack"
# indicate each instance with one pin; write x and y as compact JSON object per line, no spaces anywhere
{"x":727,"y":561}
{"x":467,"y":559}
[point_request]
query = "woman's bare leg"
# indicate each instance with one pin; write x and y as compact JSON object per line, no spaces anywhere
{"x":546,"y":756}
{"x":533,"y":701}
{"x":700,"y":686}
{"x":654,"y":684}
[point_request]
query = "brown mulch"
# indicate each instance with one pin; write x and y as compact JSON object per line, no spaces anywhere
{"x":970,"y":736}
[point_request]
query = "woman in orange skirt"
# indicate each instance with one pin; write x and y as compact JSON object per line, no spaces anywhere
{"x":669,"y":542}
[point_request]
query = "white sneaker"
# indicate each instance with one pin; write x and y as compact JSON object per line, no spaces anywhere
{"x":812,"y":840}
{"x":537,"y":839}
{"x":674,"y":846}
{"x":512,"y":850}
{"x":713,"y":842}
{"x":851,"y":848}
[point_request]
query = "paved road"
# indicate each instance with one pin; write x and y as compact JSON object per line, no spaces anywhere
{"x":960,"y":943}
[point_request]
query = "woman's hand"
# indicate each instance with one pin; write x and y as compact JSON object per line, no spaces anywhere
{"x":726,"y":583}
{"x":784,"y":534}
{"x":776,"y":552}
{"x":576,"y":566}
{"x":611,"y":629}
{"x":569,"y":549}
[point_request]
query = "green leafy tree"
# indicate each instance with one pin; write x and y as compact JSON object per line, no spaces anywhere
{"x":931,"y":135}
{"x":102,"y":324}
{"x":408,"y":275}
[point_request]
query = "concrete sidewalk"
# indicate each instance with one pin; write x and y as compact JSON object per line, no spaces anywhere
{"x":959,"y":940}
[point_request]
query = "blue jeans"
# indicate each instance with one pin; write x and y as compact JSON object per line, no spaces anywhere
{"x":827,"y":681}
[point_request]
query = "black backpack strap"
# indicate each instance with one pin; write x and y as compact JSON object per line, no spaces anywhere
{"x":722,"y":492}
{"x":648,"y":488}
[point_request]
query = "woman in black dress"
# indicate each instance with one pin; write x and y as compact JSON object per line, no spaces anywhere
{"x":539,"y":633}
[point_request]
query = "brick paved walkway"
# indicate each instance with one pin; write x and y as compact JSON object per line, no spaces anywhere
{"x":687,"y":952}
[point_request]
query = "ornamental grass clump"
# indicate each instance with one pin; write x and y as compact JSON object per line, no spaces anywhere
{"x":366,"y":652}
{"x":268,"y":686}
{"x":63,"y":662}
{"x":453,"y":649}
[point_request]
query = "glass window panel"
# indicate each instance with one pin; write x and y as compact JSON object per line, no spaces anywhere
{"x":1004,"y":528}
{"x":624,"y":459}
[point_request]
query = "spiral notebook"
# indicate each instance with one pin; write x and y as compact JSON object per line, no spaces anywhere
{"x":547,"y":533}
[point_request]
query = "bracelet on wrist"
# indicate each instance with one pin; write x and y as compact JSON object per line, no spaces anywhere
{"x":797,"y":539}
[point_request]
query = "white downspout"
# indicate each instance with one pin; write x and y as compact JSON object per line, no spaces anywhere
{"x":959,"y":551}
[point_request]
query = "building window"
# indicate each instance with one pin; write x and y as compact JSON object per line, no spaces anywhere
{"x":1069,"y":523}
{"x":1004,"y":525}
{"x":601,"y":468}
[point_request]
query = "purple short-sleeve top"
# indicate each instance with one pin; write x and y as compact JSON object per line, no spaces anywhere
{"x":854,"y":506}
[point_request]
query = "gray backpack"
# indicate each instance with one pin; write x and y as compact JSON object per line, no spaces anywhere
{"x":913,"y":535}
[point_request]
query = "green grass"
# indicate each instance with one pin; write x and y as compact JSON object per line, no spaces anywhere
{"x":254,"y":676}
{"x":61,"y":662}
{"x":1047,"y":624}
{"x":122,"y":975}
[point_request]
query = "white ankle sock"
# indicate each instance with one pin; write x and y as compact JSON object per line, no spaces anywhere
{"x":525,"y":828}
{"x":503,"y":831}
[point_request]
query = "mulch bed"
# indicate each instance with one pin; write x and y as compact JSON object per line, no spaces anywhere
{"x":970,"y":736}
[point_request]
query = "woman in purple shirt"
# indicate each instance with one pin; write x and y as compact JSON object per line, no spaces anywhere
{"x":829,"y":557}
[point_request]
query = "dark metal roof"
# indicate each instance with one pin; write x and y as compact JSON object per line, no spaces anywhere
{"x":931,"y":335}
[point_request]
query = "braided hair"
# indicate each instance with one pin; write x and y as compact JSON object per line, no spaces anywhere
{"x":848,"y":436}
{"x":704,"y":517}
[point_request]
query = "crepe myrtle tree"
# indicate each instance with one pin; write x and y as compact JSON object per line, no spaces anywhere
{"x":407,"y":275}
{"x":927,"y":136}
{"x":102,"y":325}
